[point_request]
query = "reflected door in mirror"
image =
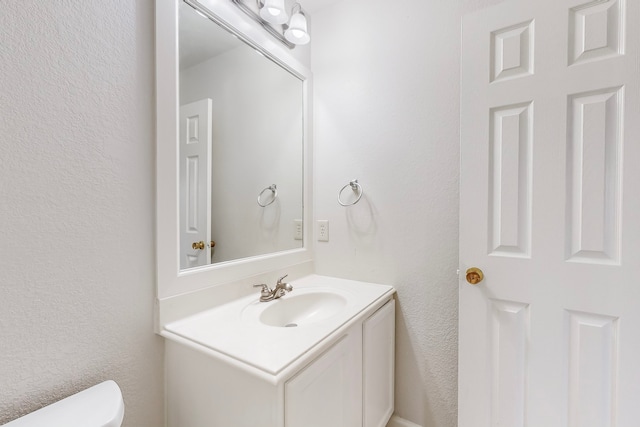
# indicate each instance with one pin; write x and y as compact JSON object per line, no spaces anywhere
{"x":195,"y":183}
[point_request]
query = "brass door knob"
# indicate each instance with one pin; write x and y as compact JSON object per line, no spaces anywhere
{"x":212,"y":244}
{"x":198,"y":245}
{"x":474,"y":275}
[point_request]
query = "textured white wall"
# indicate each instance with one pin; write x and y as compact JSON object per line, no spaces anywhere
{"x":386,"y":112}
{"x":76,"y":204}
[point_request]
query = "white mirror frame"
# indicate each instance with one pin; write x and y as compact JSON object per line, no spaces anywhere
{"x":171,"y":281}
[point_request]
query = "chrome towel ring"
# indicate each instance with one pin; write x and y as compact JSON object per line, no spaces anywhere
{"x":357,"y":188}
{"x":274,"y":191}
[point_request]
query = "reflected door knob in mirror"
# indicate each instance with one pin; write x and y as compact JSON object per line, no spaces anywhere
{"x":198,"y":245}
{"x":474,"y":275}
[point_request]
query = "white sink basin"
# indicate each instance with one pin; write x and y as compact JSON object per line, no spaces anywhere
{"x":298,"y":310}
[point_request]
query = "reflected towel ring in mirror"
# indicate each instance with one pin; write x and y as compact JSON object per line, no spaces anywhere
{"x":357,"y":188}
{"x":274,"y":191}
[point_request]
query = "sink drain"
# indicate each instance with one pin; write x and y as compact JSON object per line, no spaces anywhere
{"x":291,"y":325}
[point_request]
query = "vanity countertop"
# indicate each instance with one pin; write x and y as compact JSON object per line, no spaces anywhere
{"x":235,"y":329}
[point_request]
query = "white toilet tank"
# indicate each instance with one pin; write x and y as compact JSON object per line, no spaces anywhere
{"x":97,"y":406}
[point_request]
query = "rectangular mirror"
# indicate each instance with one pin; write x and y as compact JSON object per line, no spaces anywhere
{"x":221,"y":78}
{"x":240,"y":144}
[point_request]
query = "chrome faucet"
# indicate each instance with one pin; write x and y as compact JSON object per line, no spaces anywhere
{"x":268,"y":294}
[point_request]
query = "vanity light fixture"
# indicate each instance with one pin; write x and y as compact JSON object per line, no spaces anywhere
{"x":297,"y":32}
{"x":273,"y":17}
{"x":273,"y":11}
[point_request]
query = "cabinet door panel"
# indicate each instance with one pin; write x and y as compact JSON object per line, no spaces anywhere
{"x":328,"y":391}
{"x":378,"y":369}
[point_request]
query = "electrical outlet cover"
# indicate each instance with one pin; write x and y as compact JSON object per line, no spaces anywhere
{"x":323,"y":230}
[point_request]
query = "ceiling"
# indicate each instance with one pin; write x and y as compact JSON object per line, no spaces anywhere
{"x":315,"y":5}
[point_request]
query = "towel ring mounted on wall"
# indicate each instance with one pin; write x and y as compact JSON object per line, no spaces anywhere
{"x":357,"y":188}
{"x":274,"y":191}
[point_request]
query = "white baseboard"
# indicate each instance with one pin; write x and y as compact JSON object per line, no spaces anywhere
{"x":396,"y":421}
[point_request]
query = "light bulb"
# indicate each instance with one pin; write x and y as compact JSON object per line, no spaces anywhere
{"x":297,"y":32}
{"x":274,"y":12}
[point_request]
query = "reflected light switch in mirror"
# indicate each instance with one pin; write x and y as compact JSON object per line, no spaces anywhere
{"x":297,"y":229}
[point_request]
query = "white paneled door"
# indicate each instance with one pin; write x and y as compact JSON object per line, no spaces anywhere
{"x":195,"y":183}
{"x":550,"y":212}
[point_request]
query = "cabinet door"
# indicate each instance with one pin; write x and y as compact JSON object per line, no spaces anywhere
{"x":328,"y":392}
{"x":378,"y":369}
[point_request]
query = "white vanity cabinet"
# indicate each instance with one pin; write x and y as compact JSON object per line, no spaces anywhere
{"x":378,"y":360}
{"x":328,"y":392}
{"x":352,"y":383}
{"x":345,"y":380}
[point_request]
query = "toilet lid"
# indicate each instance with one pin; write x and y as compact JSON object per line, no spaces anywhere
{"x":97,"y":406}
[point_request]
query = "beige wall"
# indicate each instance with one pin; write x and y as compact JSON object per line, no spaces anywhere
{"x":77,"y":204}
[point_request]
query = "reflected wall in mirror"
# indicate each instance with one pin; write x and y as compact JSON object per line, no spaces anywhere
{"x":241,"y":132}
